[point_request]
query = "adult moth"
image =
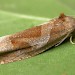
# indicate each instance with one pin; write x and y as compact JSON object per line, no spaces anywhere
{"x":35,"y":40}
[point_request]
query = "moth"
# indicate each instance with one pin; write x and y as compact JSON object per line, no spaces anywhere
{"x":35,"y":40}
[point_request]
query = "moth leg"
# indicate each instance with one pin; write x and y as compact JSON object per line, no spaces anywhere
{"x":71,"y":41}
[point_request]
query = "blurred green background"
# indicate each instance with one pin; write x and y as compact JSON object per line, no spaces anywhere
{"x":56,"y":61}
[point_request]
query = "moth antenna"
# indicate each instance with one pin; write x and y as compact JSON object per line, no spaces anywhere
{"x":71,"y":40}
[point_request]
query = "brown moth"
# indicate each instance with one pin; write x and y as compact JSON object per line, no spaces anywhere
{"x":35,"y":40}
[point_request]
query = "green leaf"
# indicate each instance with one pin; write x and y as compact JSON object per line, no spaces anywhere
{"x":18,"y":15}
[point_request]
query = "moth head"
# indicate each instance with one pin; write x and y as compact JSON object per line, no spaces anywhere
{"x":71,"y":21}
{"x":68,"y":21}
{"x":69,"y":24}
